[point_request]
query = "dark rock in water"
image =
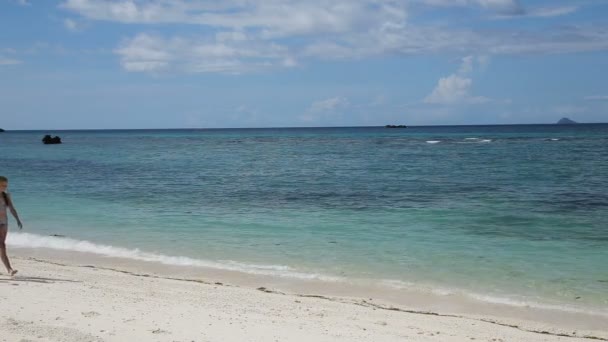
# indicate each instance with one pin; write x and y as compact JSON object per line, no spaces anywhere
{"x":566,"y":121}
{"x":51,"y":140}
{"x":395,"y":126}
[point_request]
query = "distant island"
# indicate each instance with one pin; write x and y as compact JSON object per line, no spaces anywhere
{"x":1,"y":130}
{"x":395,"y":126}
{"x":566,"y":121}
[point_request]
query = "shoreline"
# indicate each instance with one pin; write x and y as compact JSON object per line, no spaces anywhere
{"x":431,"y":306}
{"x":425,"y":296}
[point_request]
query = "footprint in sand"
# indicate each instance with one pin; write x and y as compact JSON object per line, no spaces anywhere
{"x":90,"y":314}
{"x":50,"y":333}
{"x":160,"y":331}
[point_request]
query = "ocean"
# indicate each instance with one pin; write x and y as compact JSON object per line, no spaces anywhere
{"x":507,"y":213}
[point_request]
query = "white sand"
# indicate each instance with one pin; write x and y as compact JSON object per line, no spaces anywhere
{"x":59,"y":302}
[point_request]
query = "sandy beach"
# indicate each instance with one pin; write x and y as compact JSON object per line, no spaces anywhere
{"x":59,"y":300}
{"x":303,"y":171}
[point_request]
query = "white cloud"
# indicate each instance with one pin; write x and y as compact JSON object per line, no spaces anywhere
{"x":453,"y":89}
{"x":8,"y":61}
{"x":320,"y":110}
{"x":467,"y":65}
{"x":273,"y":18}
{"x":501,"y":6}
{"x":483,"y":61}
{"x":323,"y":29}
{"x":548,"y":12}
{"x":73,"y":25}
{"x":540,"y":12}
{"x":456,"y":88}
{"x":289,"y":62}
{"x":597,"y":98}
{"x":329,"y":104}
{"x":567,"y":41}
{"x":144,"y":53}
{"x":218,"y":54}
{"x":70,"y":24}
{"x":329,"y":50}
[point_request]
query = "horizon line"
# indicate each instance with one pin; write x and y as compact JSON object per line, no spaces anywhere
{"x":295,"y":127}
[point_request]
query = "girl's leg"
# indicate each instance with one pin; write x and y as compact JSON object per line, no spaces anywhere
{"x":3,"y":256}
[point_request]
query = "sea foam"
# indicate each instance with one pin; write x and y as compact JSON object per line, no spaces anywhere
{"x":489,"y":298}
{"x":27,"y":240}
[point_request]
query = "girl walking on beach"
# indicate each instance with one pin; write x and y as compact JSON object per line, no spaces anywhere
{"x":6,"y":202}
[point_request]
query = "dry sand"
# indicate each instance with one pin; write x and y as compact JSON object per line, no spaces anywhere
{"x":52,"y":300}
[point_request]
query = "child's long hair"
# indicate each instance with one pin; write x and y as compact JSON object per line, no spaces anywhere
{"x":7,"y":201}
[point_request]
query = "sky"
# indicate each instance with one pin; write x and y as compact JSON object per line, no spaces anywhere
{"x":101,"y":64}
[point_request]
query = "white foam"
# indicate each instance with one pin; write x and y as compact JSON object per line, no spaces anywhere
{"x":404,"y":285}
{"x":397,"y":284}
{"x":471,"y":138}
{"x":503,"y":300}
{"x":486,"y":140}
{"x":531,"y":304}
{"x":433,"y":141}
{"x":27,"y":240}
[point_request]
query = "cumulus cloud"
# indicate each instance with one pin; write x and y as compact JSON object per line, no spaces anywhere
{"x":456,"y":88}
{"x":226,"y":53}
{"x":272,"y":18}
{"x":144,"y":53}
{"x":328,"y":30}
{"x":242,"y":36}
{"x":451,"y":89}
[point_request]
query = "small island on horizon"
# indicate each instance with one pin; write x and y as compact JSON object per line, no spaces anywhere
{"x":395,"y":126}
{"x":566,"y":121}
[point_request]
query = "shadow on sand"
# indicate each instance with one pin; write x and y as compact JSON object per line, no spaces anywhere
{"x":17,"y":279}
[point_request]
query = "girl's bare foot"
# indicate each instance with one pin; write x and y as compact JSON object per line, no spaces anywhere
{"x":13,"y":272}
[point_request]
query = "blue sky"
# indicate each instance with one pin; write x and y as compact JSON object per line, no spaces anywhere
{"x":73,"y":64}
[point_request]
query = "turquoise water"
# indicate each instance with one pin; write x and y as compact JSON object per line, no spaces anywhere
{"x":517,"y":212}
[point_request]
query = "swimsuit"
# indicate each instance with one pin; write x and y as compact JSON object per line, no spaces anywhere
{"x":3,"y":206}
